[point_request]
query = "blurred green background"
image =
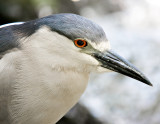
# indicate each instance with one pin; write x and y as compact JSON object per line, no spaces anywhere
{"x":133,"y":29}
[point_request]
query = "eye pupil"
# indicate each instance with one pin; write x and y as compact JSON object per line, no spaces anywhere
{"x":80,"y":42}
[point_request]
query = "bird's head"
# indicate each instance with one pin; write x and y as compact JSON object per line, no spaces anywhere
{"x":82,"y":43}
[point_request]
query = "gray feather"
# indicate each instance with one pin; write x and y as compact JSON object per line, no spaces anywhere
{"x":70,"y":25}
{"x":10,"y":36}
{"x":74,"y":26}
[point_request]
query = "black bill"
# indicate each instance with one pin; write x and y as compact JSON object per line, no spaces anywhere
{"x":116,"y":63}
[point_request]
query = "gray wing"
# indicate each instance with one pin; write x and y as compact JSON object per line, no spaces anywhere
{"x":9,"y":36}
{"x":8,"y":40}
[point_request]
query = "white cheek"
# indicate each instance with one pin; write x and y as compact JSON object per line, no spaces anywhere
{"x":89,"y":60}
{"x":102,"y":70}
{"x":94,"y":64}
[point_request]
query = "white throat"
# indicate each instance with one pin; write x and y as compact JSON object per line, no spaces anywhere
{"x":51,"y":92}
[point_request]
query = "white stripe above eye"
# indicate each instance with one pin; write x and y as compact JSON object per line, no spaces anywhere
{"x":9,"y":24}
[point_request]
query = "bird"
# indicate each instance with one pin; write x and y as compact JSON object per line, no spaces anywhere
{"x":45,"y":65}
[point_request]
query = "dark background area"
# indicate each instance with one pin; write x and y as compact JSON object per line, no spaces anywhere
{"x":23,"y":10}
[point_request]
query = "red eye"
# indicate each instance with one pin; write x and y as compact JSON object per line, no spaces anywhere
{"x":80,"y":43}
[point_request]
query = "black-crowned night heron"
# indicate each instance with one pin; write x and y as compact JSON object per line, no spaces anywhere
{"x":45,"y":66}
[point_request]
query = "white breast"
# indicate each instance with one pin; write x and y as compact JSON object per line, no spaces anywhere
{"x":43,"y":94}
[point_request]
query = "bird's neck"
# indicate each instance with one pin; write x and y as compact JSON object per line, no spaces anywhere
{"x":48,"y":80}
{"x":47,"y":87}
